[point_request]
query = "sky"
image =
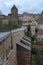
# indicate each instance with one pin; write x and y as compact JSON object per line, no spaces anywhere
{"x":30,"y":6}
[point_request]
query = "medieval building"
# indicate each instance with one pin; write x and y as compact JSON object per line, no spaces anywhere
{"x":12,"y":17}
{"x":25,"y":18}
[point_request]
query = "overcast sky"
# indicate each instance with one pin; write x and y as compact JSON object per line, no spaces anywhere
{"x":30,"y":6}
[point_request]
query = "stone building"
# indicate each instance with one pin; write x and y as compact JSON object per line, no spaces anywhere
{"x":25,"y":18}
{"x":23,"y":54}
{"x":5,"y":45}
{"x":1,"y":18}
{"x":14,"y":11}
{"x":13,"y":17}
{"x":40,"y":27}
{"x":33,"y":26}
{"x":24,"y":51}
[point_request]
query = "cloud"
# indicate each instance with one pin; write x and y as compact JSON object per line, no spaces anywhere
{"x":34,"y":6}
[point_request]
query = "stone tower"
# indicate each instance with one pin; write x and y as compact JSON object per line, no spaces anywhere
{"x":14,"y":11}
{"x":14,"y":15}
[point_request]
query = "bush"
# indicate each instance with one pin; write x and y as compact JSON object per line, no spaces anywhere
{"x":34,"y":51}
{"x":33,"y":38}
{"x":7,"y":27}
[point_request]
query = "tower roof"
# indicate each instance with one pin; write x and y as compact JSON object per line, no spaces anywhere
{"x":14,"y":7}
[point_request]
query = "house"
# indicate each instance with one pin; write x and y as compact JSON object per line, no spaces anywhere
{"x":40,"y":27}
{"x":14,"y":14}
{"x":33,"y":26}
{"x":25,"y":18}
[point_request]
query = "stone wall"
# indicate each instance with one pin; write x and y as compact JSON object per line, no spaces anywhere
{"x":16,"y":36}
{"x":23,"y":56}
{"x":5,"y":47}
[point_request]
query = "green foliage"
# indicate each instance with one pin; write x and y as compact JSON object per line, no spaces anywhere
{"x":28,"y":33}
{"x":34,"y":51}
{"x":13,"y":25}
{"x":33,"y":38}
{"x":0,"y":22}
{"x":6,"y":27}
{"x":36,"y":30}
{"x":33,"y":62}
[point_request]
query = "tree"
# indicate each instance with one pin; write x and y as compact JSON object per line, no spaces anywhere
{"x":36,"y":30}
{"x":28,"y":30}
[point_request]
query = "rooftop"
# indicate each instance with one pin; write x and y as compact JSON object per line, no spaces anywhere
{"x":24,"y":46}
{"x":14,"y":7}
